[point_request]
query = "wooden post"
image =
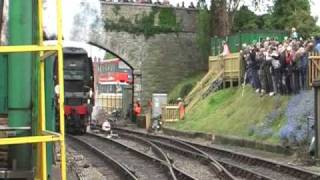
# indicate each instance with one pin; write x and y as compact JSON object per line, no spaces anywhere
{"x":316,"y":86}
{"x":148,"y":119}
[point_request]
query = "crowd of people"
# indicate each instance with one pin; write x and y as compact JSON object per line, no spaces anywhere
{"x":157,"y":2}
{"x":274,"y":67}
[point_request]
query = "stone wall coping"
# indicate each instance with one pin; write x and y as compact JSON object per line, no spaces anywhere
{"x":146,"y":5}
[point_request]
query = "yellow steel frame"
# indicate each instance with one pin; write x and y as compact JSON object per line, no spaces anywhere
{"x":44,"y":136}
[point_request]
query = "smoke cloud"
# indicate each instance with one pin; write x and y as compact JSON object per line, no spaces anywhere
{"x":80,"y":18}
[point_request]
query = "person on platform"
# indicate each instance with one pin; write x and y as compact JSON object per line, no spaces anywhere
{"x":182,"y":4}
{"x":317,"y":44}
{"x":181,"y":108}
{"x":294,"y":34}
{"x":191,"y":5}
{"x":136,"y":110}
{"x":225,"y":49}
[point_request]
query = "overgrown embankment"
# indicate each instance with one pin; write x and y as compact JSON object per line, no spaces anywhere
{"x":184,"y":87}
{"x":227,"y":112}
{"x":278,"y":119}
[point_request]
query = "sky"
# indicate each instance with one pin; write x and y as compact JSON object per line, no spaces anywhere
{"x":315,"y":9}
{"x":71,"y":8}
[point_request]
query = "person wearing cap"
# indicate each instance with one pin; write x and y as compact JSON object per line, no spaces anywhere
{"x":294,"y":34}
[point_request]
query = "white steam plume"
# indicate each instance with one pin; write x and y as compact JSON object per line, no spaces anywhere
{"x":80,"y":18}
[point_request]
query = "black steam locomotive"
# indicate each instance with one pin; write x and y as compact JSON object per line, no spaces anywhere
{"x":78,"y":89}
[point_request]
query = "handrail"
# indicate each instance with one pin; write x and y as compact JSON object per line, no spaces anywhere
{"x":44,"y":135}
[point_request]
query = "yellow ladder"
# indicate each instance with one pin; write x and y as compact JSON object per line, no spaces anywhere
{"x":44,"y":135}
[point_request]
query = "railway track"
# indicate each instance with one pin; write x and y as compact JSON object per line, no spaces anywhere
{"x":141,"y":165}
{"x":189,"y":162}
{"x":240,"y":165}
{"x":105,"y":164}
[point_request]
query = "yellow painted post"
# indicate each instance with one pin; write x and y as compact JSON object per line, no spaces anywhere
{"x":61,"y":90}
{"x":43,"y":146}
{"x":44,"y":136}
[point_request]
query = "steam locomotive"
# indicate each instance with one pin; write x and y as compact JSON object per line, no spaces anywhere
{"x":78,"y":89}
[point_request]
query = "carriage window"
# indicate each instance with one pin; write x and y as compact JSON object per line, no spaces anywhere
{"x":110,"y":88}
{"x":111,"y":67}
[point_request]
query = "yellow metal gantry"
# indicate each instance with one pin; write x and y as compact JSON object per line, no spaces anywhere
{"x":44,"y":136}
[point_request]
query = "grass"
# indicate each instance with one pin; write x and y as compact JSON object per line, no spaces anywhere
{"x":226,"y":112}
{"x":180,"y":89}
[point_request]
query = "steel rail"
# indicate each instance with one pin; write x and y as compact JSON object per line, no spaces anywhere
{"x":123,"y":170}
{"x":174,"y":173}
{"x":258,"y":161}
{"x":243,"y":158}
{"x":222,"y":169}
{"x":236,"y":170}
{"x":217,"y":167}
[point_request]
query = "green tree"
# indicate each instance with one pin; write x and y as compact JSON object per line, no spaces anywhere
{"x":293,"y":13}
{"x":222,"y":16}
{"x":245,"y":20}
{"x":264,"y":22}
{"x":223,"y":13}
{"x":203,"y":30}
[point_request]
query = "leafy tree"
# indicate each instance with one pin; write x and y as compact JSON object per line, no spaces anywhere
{"x":203,"y":31}
{"x":222,"y":15}
{"x":265,"y":22}
{"x":293,"y":13}
{"x":245,"y":20}
{"x":285,"y":14}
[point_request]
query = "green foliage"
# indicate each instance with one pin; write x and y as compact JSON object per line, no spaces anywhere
{"x":283,"y":16}
{"x":116,"y":9}
{"x":183,"y":88}
{"x":109,"y":56}
{"x":167,"y":17}
{"x":203,"y":33}
{"x":245,"y":20}
{"x":145,"y":24}
{"x":294,"y":13}
{"x":265,"y":22}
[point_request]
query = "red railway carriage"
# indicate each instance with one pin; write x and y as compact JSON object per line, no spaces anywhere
{"x":114,"y":70}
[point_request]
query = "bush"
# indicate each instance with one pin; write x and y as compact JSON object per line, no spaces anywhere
{"x":185,"y":90}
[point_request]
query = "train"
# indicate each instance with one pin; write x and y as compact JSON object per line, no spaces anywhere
{"x":78,"y":89}
{"x":114,"y":70}
{"x":113,"y":88}
{"x":110,"y":95}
